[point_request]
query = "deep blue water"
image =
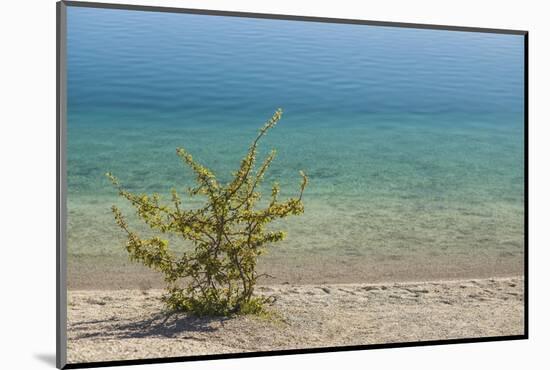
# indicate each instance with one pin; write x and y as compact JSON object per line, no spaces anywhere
{"x":413,"y":139}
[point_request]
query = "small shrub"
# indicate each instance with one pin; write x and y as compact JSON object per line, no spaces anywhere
{"x":228,"y":235}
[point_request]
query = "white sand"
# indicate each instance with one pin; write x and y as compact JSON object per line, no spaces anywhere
{"x":128,"y":324}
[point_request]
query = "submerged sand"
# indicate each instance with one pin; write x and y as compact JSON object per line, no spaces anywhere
{"x":105,"y":325}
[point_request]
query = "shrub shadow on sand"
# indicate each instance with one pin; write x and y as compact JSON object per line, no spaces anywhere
{"x":160,"y":325}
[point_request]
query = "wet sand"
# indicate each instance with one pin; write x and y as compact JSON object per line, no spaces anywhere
{"x":117,"y":272}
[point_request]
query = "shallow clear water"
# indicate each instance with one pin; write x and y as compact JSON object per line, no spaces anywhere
{"x":413,"y":139}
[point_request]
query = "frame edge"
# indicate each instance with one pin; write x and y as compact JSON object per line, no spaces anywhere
{"x":288,"y":17}
{"x":61,"y":185}
{"x":526,"y":181}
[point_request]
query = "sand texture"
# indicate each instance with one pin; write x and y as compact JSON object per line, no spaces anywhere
{"x":130,"y":324}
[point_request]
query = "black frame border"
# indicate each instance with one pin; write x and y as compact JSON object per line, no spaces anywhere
{"x":61,"y":186}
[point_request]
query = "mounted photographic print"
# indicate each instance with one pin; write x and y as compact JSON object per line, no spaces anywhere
{"x":236,"y":184}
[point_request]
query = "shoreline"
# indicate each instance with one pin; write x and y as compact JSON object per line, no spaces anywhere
{"x":128,"y":324}
{"x":118,"y":273}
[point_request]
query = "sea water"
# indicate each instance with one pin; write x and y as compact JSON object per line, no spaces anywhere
{"x":413,"y":139}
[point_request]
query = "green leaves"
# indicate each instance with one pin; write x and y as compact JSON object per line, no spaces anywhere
{"x":228,"y":234}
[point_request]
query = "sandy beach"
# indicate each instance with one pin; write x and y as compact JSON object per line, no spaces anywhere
{"x":122,"y":324}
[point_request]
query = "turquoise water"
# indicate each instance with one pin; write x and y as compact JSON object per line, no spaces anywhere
{"x":412,"y":139}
